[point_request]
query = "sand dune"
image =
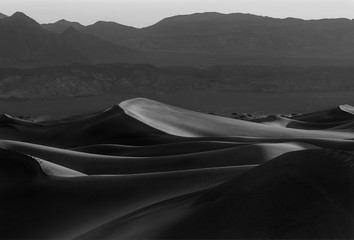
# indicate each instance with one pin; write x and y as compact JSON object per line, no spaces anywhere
{"x":153,"y":123}
{"x":289,"y":197}
{"x":291,"y":123}
{"x":337,"y":118}
{"x":17,"y":169}
{"x":338,"y":114}
{"x":102,"y":164}
{"x":89,"y":200}
{"x":181,"y":122}
{"x":86,"y":130}
{"x":147,"y":170}
{"x":157,"y":150}
{"x":31,"y":167}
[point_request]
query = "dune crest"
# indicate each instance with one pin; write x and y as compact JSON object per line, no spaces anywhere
{"x":148,"y":170}
{"x":185,"y":123}
{"x":347,"y":108}
{"x":52,"y":169}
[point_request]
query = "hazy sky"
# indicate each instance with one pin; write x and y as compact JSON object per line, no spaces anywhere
{"x":140,"y":13}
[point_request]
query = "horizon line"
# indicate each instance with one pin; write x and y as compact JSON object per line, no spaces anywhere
{"x":183,"y":14}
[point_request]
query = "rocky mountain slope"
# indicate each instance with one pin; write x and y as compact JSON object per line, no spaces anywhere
{"x":81,"y":80}
{"x":203,"y":39}
{"x":237,"y":34}
{"x":96,"y":48}
{"x":110,"y":31}
{"x":25,"y":43}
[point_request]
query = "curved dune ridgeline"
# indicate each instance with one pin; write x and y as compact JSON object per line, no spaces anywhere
{"x":147,"y":170}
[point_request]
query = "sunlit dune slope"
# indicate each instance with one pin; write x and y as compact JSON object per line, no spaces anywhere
{"x":182,"y":122}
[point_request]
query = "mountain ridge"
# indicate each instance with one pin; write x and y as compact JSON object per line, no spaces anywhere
{"x":25,"y":43}
{"x":200,"y":39}
{"x":61,"y":25}
{"x":237,"y":34}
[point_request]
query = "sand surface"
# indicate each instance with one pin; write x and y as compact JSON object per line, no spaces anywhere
{"x":143,"y":169}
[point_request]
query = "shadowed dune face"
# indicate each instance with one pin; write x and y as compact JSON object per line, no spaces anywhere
{"x":17,"y":169}
{"x":302,"y":195}
{"x":147,"y":170}
{"x":335,"y":119}
{"x":338,"y":114}
{"x":307,"y":193}
{"x":109,"y":126}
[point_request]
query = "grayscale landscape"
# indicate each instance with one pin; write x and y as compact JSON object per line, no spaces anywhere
{"x":203,"y":125}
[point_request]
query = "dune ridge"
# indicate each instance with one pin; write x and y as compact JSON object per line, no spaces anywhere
{"x":147,"y":170}
{"x":181,"y":122}
{"x":95,"y":164}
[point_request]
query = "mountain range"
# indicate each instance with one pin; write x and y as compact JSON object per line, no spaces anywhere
{"x":201,"y":39}
{"x":238,"y":34}
{"x":110,"y":31}
{"x":25,"y":43}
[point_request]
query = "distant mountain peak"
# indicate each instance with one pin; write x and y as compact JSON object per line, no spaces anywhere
{"x":109,"y":24}
{"x":67,"y":23}
{"x":105,"y":22}
{"x":62,"y":21}
{"x":20,"y":17}
{"x":62,"y":25}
